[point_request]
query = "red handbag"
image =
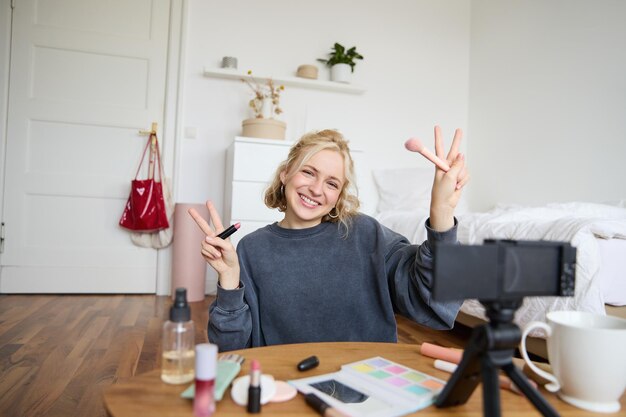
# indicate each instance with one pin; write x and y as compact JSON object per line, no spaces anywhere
{"x":145,"y":208}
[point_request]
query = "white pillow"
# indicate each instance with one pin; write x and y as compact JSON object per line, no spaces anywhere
{"x":404,"y":189}
{"x":408,"y":189}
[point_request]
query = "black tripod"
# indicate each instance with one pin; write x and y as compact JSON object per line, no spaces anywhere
{"x":490,"y":348}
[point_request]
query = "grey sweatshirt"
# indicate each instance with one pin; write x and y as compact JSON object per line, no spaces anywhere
{"x":316,"y":285}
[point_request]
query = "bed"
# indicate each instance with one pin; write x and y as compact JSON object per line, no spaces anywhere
{"x":598,"y":231}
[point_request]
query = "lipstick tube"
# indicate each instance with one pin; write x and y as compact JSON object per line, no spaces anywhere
{"x":232,"y":229}
{"x":254,"y":390}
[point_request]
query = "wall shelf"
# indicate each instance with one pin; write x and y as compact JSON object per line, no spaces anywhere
{"x":232,"y":74}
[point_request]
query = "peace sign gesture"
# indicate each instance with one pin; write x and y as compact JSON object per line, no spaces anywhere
{"x":447,"y":186}
{"x":450,"y":177}
{"x":219,"y":253}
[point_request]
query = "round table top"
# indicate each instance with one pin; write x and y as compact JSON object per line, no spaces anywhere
{"x":147,"y":395}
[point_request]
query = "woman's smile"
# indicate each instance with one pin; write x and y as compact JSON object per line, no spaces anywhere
{"x":309,"y":202}
{"x":313,"y":190}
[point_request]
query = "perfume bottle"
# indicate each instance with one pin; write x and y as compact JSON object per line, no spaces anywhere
{"x":206,"y":370}
{"x":177,"y":365}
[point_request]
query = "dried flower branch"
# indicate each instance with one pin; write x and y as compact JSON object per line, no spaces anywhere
{"x":261,"y":92}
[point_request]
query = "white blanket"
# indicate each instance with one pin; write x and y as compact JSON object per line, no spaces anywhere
{"x":577,"y":223}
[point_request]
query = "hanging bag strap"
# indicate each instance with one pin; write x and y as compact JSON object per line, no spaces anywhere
{"x":144,"y":157}
{"x":153,"y":159}
{"x":156,"y":150}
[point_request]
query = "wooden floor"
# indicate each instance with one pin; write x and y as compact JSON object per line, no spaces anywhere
{"x":58,"y":352}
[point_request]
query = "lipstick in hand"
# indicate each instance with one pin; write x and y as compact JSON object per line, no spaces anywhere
{"x":232,"y":229}
{"x":254,"y":390}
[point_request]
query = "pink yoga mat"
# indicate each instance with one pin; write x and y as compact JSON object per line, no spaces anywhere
{"x":188,"y":265}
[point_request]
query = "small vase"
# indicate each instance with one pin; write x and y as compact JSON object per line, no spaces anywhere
{"x":267,"y":110}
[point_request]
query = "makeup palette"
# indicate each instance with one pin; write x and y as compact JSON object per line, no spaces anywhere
{"x":374,"y":387}
{"x":415,"y":384}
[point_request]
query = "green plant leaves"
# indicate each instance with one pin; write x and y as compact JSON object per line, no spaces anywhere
{"x":339,"y":55}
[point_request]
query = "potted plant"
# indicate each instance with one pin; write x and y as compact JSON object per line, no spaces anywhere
{"x":339,"y":60}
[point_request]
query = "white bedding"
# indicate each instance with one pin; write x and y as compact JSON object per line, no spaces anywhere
{"x":581,"y":224}
{"x":612,"y":278}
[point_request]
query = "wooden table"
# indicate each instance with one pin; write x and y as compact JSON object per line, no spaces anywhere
{"x":146,"y":395}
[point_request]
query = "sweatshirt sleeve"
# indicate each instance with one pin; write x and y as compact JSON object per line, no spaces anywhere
{"x":410,"y":275}
{"x":230,"y":324}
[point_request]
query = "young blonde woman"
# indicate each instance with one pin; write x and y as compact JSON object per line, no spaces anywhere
{"x":325,"y":272}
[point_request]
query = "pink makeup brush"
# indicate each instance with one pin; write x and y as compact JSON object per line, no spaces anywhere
{"x":416,"y":145}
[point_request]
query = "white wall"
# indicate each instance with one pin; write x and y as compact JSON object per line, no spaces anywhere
{"x":547,"y":105}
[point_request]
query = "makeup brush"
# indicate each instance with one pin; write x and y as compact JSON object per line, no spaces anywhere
{"x":416,"y":145}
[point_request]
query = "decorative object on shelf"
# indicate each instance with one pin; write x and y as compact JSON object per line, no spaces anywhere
{"x":229,"y":62}
{"x":339,"y":60}
{"x":267,"y":108}
{"x":307,"y":71}
{"x":340,"y":73}
{"x":265,"y":104}
{"x":262,"y":92}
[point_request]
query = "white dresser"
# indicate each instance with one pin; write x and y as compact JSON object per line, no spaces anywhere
{"x":250,"y":165}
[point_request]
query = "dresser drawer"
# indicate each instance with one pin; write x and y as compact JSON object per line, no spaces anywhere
{"x":255,"y":162}
{"x":249,"y":205}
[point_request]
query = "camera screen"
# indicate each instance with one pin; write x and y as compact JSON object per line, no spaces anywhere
{"x":503,"y":270}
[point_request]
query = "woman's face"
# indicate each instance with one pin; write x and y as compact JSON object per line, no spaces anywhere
{"x":313,"y":190}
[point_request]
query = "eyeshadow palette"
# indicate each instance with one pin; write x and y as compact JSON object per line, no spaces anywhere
{"x":416,"y":385}
{"x":374,"y":387}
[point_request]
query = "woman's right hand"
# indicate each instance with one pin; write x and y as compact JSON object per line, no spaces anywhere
{"x":219,"y":253}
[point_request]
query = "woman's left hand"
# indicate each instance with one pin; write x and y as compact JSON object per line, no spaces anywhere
{"x":447,"y":186}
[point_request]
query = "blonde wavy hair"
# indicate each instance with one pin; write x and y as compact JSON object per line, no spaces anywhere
{"x":299,"y":154}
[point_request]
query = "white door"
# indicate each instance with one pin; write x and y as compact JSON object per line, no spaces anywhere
{"x":85,"y":76}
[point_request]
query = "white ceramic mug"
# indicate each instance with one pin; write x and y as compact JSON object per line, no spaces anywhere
{"x":587,"y":353}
